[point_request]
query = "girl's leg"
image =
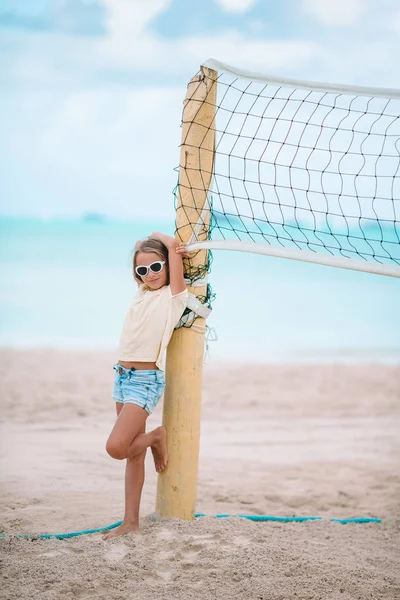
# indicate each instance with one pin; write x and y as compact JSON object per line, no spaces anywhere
{"x":157,"y":441}
{"x":135,"y":464}
{"x":127,"y":438}
{"x":134,"y":479}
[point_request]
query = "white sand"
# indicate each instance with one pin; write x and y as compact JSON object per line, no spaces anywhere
{"x":276,"y":440}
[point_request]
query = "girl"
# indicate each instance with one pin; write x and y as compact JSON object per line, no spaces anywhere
{"x":139,"y":378}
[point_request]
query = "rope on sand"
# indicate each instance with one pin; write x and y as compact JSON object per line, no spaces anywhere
{"x":294,"y":519}
{"x":62,"y":536}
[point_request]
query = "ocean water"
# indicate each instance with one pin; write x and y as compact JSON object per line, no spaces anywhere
{"x":68,"y":284}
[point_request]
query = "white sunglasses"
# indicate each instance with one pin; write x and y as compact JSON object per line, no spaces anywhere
{"x":155,"y":267}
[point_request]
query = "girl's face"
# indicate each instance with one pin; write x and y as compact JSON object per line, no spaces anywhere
{"x":154,"y":281}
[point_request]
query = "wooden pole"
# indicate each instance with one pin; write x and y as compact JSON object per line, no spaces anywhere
{"x":177,"y":484}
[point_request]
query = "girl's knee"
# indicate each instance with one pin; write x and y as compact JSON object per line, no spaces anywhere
{"x":115,"y":451}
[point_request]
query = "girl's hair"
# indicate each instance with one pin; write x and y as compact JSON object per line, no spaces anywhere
{"x":150,"y":245}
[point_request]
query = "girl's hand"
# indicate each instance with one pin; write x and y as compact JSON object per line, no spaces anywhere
{"x":181,"y":250}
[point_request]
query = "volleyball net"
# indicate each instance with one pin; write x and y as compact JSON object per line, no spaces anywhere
{"x":292,"y":169}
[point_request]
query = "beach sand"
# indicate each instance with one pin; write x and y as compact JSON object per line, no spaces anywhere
{"x":276,"y":440}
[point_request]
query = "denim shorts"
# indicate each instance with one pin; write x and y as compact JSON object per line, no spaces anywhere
{"x":137,"y":386}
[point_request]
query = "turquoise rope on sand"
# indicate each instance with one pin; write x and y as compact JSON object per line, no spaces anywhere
{"x":265,"y":518}
{"x":294,"y":519}
{"x":63,"y":536}
{"x":359,"y":520}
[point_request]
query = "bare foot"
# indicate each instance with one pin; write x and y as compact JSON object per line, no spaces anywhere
{"x":122,"y":530}
{"x":159,"y":449}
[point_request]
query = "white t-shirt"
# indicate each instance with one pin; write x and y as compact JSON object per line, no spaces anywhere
{"x":149,"y":324}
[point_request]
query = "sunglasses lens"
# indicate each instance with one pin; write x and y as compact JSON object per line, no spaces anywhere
{"x":141,"y":271}
{"x":156,"y":267}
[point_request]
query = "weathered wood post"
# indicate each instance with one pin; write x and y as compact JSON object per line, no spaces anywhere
{"x":177,"y":484}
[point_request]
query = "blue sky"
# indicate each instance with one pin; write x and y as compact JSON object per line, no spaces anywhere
{"x":91,"y":91}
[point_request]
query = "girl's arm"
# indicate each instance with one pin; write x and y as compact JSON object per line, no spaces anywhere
{"x":176,"y":277}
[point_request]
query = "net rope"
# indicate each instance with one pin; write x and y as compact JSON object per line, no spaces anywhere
{"x":299,"y":168}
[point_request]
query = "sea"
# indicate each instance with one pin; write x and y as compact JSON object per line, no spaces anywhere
{"x":67,"y":284}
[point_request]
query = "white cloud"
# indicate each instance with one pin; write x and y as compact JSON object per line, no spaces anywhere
{"x":130,"y":49}
{"x":129,"y":45}
{"x":335,"y":12}
{"x":87,"y":59}
{"x":112,"y":151}
{"x":89,"y":143}
{"x":93,"y":149}
{"x":234,"y":49}
{"x":113,"y":144}
{"x":128,"y":18}
{"x":359,"y":62}
{"x":236,"y":6}
{"x":113,"y":129}
{"x":118,"y":148}
{"x":394,"y":22}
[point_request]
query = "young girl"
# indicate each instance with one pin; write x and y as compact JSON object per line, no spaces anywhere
{"x":139,"y":378}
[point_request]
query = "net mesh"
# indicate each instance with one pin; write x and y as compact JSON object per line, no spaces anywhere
{"x":301,"y":169}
